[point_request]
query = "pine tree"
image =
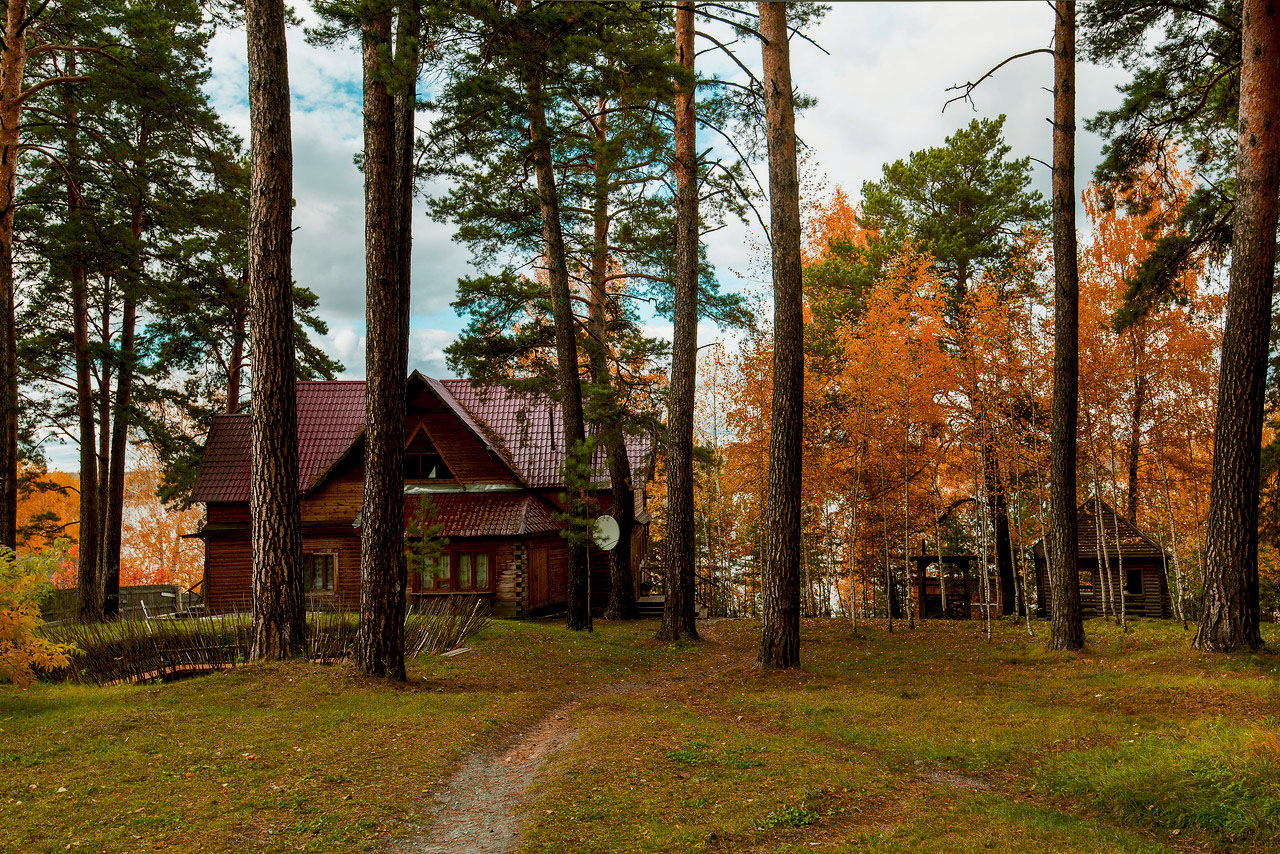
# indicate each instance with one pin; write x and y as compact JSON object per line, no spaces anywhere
{"x":279,"y":605}
{"x":1230,"y":619}
{"x":967,"y":204}
{"x":1067,"y":627}
{"x":780,"y":632}
{"x":679,"y":619}
{"x":22,"y":77}
{"x":603,"y":93}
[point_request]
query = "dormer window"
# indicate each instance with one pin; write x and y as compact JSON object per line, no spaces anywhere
{"x":422,"y":461}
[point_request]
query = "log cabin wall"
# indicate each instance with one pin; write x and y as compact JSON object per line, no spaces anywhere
{"x":1152,"y":602}
{"x":345,"y":548}
{"x":227,"y":514}
{"x":338,"y":500}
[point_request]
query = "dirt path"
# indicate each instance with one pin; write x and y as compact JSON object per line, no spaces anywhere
{"x":478,"y":811}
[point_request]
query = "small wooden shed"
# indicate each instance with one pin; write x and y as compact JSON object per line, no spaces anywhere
{"x":1112,"y":548}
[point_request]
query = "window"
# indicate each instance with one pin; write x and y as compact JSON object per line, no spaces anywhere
{"x":472,"y":570}
{"x":1133,"y":582}
{"x":430,"y":573}
{"x":461,"y":571}
{"x":318,"y":572}
{"x":422,"y":461}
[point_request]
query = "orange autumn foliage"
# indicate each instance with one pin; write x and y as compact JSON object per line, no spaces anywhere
{"x":48,"y":512}
{"x":918,"y":401}
{"x":153,"y":550}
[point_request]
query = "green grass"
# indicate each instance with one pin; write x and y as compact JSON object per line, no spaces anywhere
{"x":925,"y":740}
{"x":931,"y":740}
{"x":280,"y":757}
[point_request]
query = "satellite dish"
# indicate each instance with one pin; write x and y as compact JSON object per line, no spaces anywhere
{"x":605,"y":533}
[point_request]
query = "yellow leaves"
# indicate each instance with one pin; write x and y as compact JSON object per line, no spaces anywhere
{"x":22,"y":582}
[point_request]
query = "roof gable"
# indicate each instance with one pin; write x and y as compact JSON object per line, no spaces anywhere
{"x":523,"y":432}
{"x":1132,"y":542}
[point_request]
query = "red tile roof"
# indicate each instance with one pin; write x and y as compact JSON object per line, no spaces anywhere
{"x":330,"y":417}
{"x":523,"y":429}
{"x":530,"y":429}
{"x":224,"y":469}
{"x":487,"y":514}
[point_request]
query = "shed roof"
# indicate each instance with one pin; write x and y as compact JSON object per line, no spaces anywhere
{"x":1131,"y":542}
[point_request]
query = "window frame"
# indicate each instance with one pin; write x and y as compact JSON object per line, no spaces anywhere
{"x":435,"y":446}
{"x":308,"y":562}
{"x":453,"y":553}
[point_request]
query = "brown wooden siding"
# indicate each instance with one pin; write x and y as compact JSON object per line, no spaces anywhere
{"x":1152,"y":602}
{"x":227,"y":514}
{"x":338,"y":500}
{"x":463,"y":451}
{"x":228,"y":583}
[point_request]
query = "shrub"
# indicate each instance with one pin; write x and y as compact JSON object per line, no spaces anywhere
{"x":24,"y":580}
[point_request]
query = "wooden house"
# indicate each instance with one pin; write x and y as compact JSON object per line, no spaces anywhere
{"x":1112,"y":548}
{"x":489,"y":460}
{"x":956,"y":580}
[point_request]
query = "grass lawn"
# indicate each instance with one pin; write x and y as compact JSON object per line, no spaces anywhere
{"x":282,"y":757}
{"x":926,"y":740}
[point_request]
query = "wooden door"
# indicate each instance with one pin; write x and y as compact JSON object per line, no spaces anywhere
{"x":537,"y":577}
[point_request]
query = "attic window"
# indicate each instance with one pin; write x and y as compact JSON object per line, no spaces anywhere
{"x":422,"y":461}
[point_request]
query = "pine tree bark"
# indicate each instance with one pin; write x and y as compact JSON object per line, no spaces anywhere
{"x":383,"y":569}
{"x":87,"y":546}
{"x":780,"y":632}
{"x":114,"y":516}
{"x":279,"y":616}
{"x":91,"y":599}
{"x":235,"y":367}
{"x":578,"y":592}
{"x":679,"y":615}
{"x":1067,"y":625}
{"x":1231,"y":614}
{"x":13,"y":60}
{"x":622,"y":588}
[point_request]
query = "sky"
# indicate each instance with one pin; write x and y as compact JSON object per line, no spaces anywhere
{"x":880,"y":88}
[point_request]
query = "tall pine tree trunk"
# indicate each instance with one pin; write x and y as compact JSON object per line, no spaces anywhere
{"x":235,"y":367}
{"x":679,"y":618}
{"x":279,"y":607}
{"x":780,"y":632}
{"x":114,"y":516}
{"x":91,"y":598}
{"x":13,"y":60}
{"x":1067,"y":625}
{"x":622,"y":587}
{"x":1231,"y":613}
{"x":87,"y":547}
{"x":383,"y":569}
{"x":578,"y":592}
